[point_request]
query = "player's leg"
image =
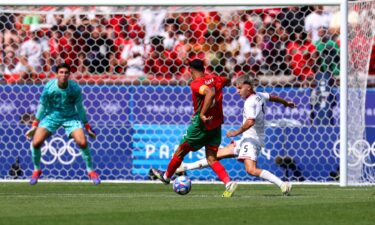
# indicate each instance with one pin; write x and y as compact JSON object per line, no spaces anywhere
{"x":74,"y":130}
{"x":225,"y":152}
{"x":218,"y":168}
{"x":192,"y":140}
{"x":46,"y":127}
{"x":249,"y":151}
{"x":213,"y":140}
{"x":177,"y":158}
{"x":79,"y":137}
{"x":40,"y":135}
{"x":175,"y":162}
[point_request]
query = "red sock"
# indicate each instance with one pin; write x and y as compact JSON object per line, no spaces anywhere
{"x":173,"y":165}
{"x":220,"y":172}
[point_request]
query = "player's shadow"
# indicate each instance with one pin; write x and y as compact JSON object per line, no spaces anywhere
{"x":279,"y":195}
{"x":291,"y":169}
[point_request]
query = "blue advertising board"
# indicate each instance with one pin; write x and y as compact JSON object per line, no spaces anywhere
{"x":370,"y":107}
{"x":139,"y":127}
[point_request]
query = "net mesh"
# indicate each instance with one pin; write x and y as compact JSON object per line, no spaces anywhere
{"x":360,"y":39}
{"x":132,"y":62}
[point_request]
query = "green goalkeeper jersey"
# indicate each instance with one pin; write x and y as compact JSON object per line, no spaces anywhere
{"x":61,"y":104}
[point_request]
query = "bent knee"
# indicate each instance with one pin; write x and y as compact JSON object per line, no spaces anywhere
{"x":252,"y":171}
{"x":211,"y":161}
{"x":82,"y":143}
{"x":37,"y":143}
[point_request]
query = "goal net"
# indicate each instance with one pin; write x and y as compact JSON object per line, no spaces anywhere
{"x":361,"y":152}
{"x":132,"y":65}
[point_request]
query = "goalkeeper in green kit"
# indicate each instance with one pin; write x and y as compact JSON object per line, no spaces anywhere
{"x":61,"y":105}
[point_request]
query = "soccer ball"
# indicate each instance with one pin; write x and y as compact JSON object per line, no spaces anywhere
{"x":182,"y":185}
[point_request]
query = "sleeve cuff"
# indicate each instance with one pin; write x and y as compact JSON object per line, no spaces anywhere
{"x":35,"y":123}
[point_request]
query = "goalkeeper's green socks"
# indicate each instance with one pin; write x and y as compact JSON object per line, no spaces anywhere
{"x":36,"y":156}
{"x":87,"y":157}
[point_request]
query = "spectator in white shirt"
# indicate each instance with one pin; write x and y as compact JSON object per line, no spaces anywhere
{"x":133,"y":56}
{"x":34,"y":54}
{"x":317,"y":19}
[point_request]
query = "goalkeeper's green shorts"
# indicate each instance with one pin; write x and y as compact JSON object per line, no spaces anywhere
{"x":52,"y":124}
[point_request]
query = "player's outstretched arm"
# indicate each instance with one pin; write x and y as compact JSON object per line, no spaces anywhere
{"x":245,"y":126}
{"x":280,"y":100}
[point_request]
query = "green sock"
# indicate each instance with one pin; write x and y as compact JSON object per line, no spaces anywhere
{"x":36,"y":155}
{"x":87,"y":157}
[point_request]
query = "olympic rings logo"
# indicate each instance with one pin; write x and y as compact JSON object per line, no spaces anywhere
{"x":56,"y":148}
{"x":361,"y":152}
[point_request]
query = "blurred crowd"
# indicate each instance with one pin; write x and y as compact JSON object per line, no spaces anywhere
{"x":156,"y":43}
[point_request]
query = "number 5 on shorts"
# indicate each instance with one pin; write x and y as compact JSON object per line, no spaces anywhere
{"x":249,"y":151}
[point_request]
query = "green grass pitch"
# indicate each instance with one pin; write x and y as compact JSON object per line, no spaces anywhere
{"x":154,"y":204}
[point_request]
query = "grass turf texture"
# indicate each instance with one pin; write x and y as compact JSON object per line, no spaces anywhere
{"x":154,"y":204}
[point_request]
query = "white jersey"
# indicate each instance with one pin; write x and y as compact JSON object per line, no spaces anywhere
{"x":255,"y":108}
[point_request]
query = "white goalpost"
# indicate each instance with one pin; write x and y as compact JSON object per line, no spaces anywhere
{"x":344,"y":95}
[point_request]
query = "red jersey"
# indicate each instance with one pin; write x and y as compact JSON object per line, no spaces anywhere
{"x":216,"y":84}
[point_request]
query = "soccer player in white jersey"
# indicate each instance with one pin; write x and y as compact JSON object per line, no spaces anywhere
{"x":248,"y":147}
{"x":61,"y":105}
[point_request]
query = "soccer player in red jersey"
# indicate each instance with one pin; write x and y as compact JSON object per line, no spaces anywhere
{"x":205,"y":127}
{"x":250,"y":145}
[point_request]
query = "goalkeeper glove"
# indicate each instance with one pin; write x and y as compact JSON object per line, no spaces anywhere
{"x":30,"y":133}
{"x":90,"y":131}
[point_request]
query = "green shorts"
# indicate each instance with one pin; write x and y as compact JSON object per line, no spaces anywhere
{"x":197,"y":136}
{"x":52,"y":124}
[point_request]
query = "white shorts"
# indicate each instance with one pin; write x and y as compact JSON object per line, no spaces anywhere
{"x":247,"y":148}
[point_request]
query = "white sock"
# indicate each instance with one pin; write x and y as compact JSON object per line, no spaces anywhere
{"x":271,"y":178}
{"x":166,"y":178}
{"x":192,"y":166}
{"x":228,"y":184}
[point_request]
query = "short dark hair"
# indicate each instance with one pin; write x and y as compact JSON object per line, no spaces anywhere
{"x":197,"y":64}
{"x":62,"y":65}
